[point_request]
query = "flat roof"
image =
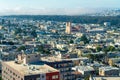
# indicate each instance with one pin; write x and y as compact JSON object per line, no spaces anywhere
{"x":81,"y":58}
{"x":107,"y":68}
{"x":84,"y":68}
{"x":57,"y":59}
{"x":51,"y":59}
{"x":107,"y":78}
{"x":30,"y":69}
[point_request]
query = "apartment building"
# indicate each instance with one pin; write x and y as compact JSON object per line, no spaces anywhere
{"x":109,"y":71}
{"x":64,"y":66}
{"x":17,"y":70}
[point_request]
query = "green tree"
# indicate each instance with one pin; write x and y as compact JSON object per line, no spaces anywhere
{"x":106,"y":54}
{"x":0,"y":78}
{"x":71,"y":41}
{"x":18,"y":30}
{"x":111,"y":48}
{"x":98,"y":48}
{"x":87,"y":77}
{"x":40,"y":48}
{"x":21,"y":48}
{"x":1,"y":35}
{"x":33,"y":33}
{"x":84,"y":39}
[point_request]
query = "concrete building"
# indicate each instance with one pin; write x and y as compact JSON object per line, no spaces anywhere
{"x":107,"y":24}
{"x":112,"y":61}
{"x":68,"y":28}
{"x":28,"y":58}
{"x":64,"y":66}
{"x":106,"y":78}
{"x":84,"y":70}
{"x":28,"y":68}
{"x":14,"y":71}
{"x":96,"y":31}
{"x":108,"y":71}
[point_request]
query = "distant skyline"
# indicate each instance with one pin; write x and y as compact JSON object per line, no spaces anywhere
{"x":54,"y":7}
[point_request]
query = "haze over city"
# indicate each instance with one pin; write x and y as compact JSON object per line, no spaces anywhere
{"x":59,"y":39}
{"x":55,"y":7}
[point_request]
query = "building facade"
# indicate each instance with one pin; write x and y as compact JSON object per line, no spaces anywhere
{"x":28,"y":67}
{"x":68,"y":28}
{"x":14,"y":71}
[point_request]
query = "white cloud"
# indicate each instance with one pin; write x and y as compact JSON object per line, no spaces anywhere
{"x":45,"y":11}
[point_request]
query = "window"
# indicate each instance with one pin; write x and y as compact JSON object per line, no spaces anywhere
{"x":13,"y":73}
{"x":28,"y":56}
{"x":36,"y":56}
{"x":54,"y":77}
{"x":13,"y":78}
{"x":42,"y":76}
{"x":38,"y":79}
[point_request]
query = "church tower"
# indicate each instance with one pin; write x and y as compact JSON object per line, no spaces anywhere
{"x":68,"y":27}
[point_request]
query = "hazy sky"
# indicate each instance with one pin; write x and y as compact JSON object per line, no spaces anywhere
{"x":8,"y":7}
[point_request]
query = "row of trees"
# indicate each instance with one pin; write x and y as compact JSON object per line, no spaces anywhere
{"x":107,"y":49}
{"x":76,"y":19}
{"x":19,"y":30}
{"x":40,"y":49}
{"x":84,"y":39}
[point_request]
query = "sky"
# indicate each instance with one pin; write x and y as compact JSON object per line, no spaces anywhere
{"x":51,"y":7}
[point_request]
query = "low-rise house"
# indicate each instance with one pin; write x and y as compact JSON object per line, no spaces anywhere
{"x":108,"y":71}
{"x":84,"y":70}
{"x":112,"y":61}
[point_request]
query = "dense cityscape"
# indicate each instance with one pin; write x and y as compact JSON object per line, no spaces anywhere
{"x":60,"y":46}
{"x":58,"y":50}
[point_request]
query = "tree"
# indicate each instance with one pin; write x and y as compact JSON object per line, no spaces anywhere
{"x":71,"y":41}
{"x":33,"y":33}
{"x":98,"y":48}
{"x":106,"y":54}
{"x":1,"y":35}
{"x":18,"y":30}
{"x":111,"y":48}
{"x":84,"y":39}
{"x":43,"y":50}
{"x":0,"y":78}
{"x":87,"y":77}
{"x":21,"y":48}
{"x":40,"y":48}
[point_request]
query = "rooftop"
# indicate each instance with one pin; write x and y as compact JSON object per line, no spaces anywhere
{"x":107,"y":78}
{"x":108,"y":68}
{"x":30,"y":69}
{"x":51,"y":59}
{"x":84,"y":68}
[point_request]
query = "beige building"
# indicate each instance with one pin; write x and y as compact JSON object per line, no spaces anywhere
{"x":108,"y":71}
{"x":14,"y":71}
{"x":28,"y":58}
{"x":28,"y":67}
{"x":106,"y":78}
{"x":68,"y":28}
{"x":112,"y":61}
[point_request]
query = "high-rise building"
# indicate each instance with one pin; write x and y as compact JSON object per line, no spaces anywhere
{"x":68,"y":27}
